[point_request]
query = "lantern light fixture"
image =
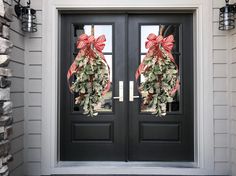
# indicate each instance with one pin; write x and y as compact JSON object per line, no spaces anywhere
{"x":227,"y":16}
{"x":27,"y":16}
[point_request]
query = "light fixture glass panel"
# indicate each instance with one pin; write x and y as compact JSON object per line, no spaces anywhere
{"x":227,"y":17}
{"x":29,"y":20}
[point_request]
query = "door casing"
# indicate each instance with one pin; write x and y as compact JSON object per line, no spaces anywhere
{"x":204,"y":163}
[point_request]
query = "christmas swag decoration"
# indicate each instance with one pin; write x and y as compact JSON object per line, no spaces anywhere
{"x":160,"y":74}
{"x":91,"y":73}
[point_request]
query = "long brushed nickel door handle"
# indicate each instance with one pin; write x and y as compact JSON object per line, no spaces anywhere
{"x":131,"y":91}
{"x":121,"y":92}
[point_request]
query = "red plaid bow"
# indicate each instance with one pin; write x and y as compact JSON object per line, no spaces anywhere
{"x":154,"y":41}
{"x":86,"y":41}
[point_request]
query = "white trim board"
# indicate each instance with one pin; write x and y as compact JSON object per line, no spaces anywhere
{"x":203,"y":88}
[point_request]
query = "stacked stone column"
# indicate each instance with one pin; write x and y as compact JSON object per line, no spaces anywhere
{"x":6,"y":11}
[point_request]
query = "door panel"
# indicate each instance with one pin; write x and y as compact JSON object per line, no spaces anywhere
{"x":100,"y":138}
{"x":156,"y":132}
{"x":168,"y":138}
{"x":88,"y":132}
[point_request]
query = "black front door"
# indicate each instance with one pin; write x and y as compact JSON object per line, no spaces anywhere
{"x":124,"y":130}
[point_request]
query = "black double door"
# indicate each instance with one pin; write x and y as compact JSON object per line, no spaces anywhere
{"x":125,"y":130}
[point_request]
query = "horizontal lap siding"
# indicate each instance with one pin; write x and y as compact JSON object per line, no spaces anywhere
{"x":233,"y":100}
{"x":33,"y":95}
{"x":17,"y":64}
{"x":221,"y":93}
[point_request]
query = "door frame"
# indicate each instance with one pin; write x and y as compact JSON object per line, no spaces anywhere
{"x":203,"y":96}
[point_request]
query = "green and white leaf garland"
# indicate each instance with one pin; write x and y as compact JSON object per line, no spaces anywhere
{"x":160,"y":74}
{"x":92,"y":73}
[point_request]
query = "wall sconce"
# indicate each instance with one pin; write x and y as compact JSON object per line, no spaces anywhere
{"x":227,"y":15}
{"x":27,"y":16}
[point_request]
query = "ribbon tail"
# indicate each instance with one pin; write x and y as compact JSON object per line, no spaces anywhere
{"x":139,"y":70}
{"x":174,"y":90}
{"x":138,"y":73}
{"x":72,"y":70}
{"x":177,"y":84}
{"x":171,"y":57}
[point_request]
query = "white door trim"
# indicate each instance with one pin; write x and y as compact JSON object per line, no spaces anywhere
{"x":203,"y":87}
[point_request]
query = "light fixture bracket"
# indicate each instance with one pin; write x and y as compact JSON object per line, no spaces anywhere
{"x":20,"y":9}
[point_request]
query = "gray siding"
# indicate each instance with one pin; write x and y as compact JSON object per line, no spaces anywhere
{"x":220,"y":92}
{"x":232,"y":112}
{"x":17,"y":65}
{"x":33,"y":95}
{"x":225,"y":91}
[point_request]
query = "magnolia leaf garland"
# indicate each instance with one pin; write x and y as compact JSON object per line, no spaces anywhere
{"x":91,"y":73}
{"x":160,"y":74}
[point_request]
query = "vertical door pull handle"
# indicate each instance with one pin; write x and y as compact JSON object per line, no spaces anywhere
{"x":121,"y":92}
{"x":131,"y":91}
